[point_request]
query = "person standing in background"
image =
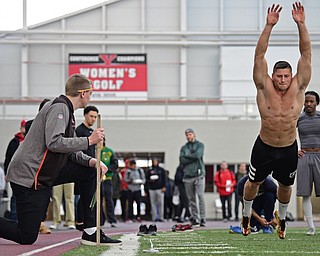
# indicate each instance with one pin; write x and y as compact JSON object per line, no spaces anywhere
{"x":135,"y":177}
{"x":116,"y":184}
{"x":308,"y":170}
{"x":14,"y":144}
{"x":59,"y":192}
{"x":156,"y":187}
{"x":242,"y":171}
{"x":124,"y":193}
{"x":191,"y":157}
{"x":85,"y":129}
{"x":225,"y":182}
{"x":168,"y":195}
{"x":183,"y":198}
{"x":110,"y":159}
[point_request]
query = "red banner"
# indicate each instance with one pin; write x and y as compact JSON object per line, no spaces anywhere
{"x":113,"y":75}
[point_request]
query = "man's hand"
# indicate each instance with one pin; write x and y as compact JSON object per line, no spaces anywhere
{"x":298,"y":12}
{"x":263,"y":222}
{"x":103,"y":167}
{"x":301,"y":153}
{"x":273,"y":14}
{"x":96,"y":137}
{"x":273,"y":223}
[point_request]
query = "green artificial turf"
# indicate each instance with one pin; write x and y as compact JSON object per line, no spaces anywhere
{"x":218,"y":241}
{"x":86,"y":250}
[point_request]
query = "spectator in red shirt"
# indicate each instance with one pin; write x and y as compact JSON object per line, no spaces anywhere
{"x":225,"y":181}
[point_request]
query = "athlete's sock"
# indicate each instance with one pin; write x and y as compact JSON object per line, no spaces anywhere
{"x":247,"y":205}
{"x":90,"y":231}
{"x":282,"y":210}
{"x":307,"y":208}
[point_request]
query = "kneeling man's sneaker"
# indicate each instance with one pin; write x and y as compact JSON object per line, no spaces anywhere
{"x":267,"y":230}
{"x":104,"y":240}
{"x":235,"y":230}
{"x":254,"y":230}
{"x":281,"y":226}
{"x":245,"y":225}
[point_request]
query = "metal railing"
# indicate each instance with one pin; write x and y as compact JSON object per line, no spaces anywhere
{"x":151,"y":109}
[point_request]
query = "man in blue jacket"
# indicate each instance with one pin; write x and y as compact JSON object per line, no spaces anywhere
{"x":262,"y":216}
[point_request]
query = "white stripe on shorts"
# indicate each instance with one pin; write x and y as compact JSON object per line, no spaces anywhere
{"x":252,"y":172}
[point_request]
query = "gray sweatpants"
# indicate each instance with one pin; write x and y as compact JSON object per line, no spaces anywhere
{"x":195,"y":189}
{"x":308,"y":174}
{"x":157,"y":204}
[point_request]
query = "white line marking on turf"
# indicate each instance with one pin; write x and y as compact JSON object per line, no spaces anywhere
{"x":48,"y":247}
{"x":238,"y":252}
{"x":129,"y":246}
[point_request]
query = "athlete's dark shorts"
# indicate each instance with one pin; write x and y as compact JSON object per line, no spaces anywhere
{"x":281,"y":162}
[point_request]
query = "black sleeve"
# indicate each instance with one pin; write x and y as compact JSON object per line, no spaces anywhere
{"x":11,"y":149}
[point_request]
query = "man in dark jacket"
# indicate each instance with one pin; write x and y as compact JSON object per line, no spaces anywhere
{"x":156,"y":186}
{"x":14,"y":144}
{"x":168,"y":196}
{"x":184,"y":201}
